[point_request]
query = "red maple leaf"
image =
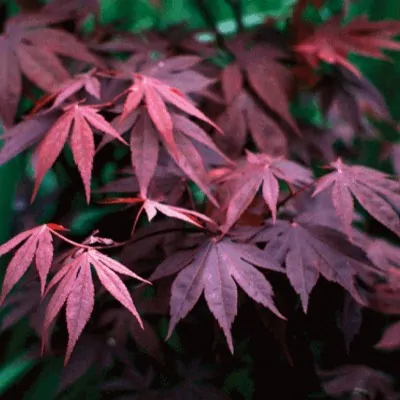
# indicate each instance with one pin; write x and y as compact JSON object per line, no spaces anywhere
{"x":332,"y":42}
{"x":308,"y":249}
{"x":169,"y":182}
{"x":125,"y":325}
{"x":373,"y":189}
{"x":260,"y":170}
{"x":156,"y":93}
{"x":267,"y":77}
{"x":65,"y":9}
{"x":152,"y":207}
{"x":28,"y":47}
{"x":145,"y":148}
{"x":80,"y":120}
{"x":243,"y":114}
{"x":67,"y":89}
{"x":25,"y":134}
{"x":153,"y":113}
{"x":345,"y":96}
{"x":213,"y":269}
{"x":39,"y":245}
{"x":75,"y":288}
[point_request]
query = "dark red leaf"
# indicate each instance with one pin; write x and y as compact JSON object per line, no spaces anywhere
{"x":38,"y":242}
{"x":75,"y":287}
{"x":213,"y":270}
{"x":378,"y":194}
{"x":82,"y":143}
{"x":332,"y":42}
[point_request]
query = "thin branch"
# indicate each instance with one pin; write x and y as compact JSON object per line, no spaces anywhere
{"x":236,"y":7}
{"x":76,"y":244}
{"x":209,"y":19}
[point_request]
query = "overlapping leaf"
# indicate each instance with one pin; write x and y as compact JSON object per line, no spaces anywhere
{"x":145,"y":148}
{"x":38,"y":244}
{"x":308,"y":249}
{"x":66,"y":90}
{"x":243,"y":114}
{"x":349,"y":97}
{"x":75,"y":287}
{"x":332,"y":42}
{"x":215,"y":269}
{"x":125,"y":325}
{"x":374,"y":190}
{"x":30,"y":48}
{"x":79,"y":120}
{"x":25,"y":134}
{"x":268,"y":85}
{"x":258,"y":171}
{"x":152,"y":207}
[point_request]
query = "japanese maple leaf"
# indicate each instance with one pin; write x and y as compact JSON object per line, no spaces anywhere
{"x":267,"y":77}
{"x":28,"y":47}
{"x":213,"y":269}
{"x":373,"y":189}
{"x":156,"y":94}
{"x":38,"y":244}
{"x":91,"y":351}
{"x":125,"y":325}
{"x":332,"y":42}
{"x":169,"y":182}
{"x":308,"y":250}
{"x":152,"y":207}
{"x":382,"y":253}
{"x":349,"y":97}
{"x":315,"y":144}
{"x":350,"y":320}
{"x":74,"y":8}
{"x":75,"y":288}
{"x":145,"y":149}
{"x":180,"y":73}
{"x":24,"y":135}
{"x":66,"y":90}
{"x":21,"y":303}
{"x":243,"y":114}
{"x":79,"y":120}
{"x":260,"y":170}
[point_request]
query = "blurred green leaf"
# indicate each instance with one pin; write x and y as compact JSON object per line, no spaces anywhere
{"x":46,"y":384}
{"x":13,"y":371}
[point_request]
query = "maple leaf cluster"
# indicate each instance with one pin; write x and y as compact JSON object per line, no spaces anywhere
{"x":280,"y":204}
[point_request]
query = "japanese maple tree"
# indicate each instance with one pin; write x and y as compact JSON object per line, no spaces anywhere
{"x":214,"y":207}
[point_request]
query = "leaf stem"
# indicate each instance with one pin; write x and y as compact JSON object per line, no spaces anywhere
{"x":76,"y":244}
